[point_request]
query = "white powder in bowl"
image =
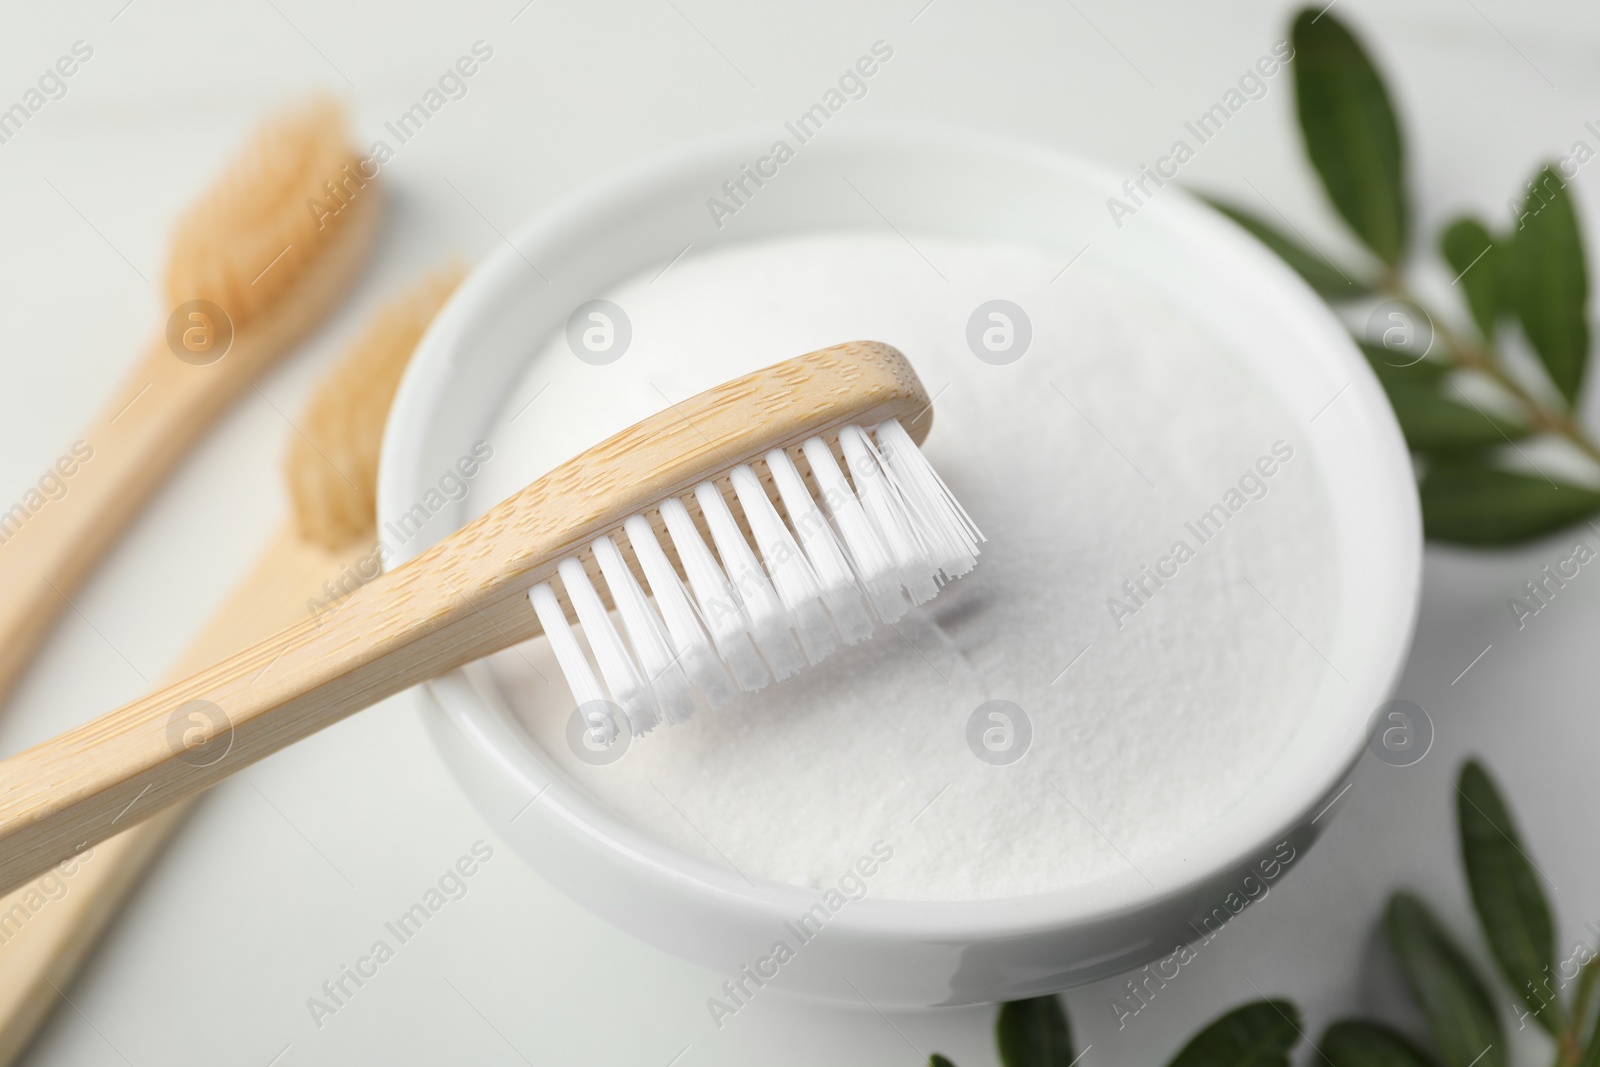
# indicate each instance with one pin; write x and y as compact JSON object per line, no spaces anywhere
{"x":1087,"y":462}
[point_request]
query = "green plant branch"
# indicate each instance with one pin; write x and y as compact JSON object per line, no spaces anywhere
{"x":1467,"y":354}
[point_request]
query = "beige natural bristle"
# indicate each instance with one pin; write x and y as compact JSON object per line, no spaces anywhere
{"x":332,"y":466}
{"x":251,"y":234}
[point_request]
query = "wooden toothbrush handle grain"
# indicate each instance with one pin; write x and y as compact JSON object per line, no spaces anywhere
{"x":55,"y":532}
{"x":459,"y":601}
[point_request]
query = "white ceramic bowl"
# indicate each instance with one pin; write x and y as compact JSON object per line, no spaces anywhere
{"x":898,"y":952}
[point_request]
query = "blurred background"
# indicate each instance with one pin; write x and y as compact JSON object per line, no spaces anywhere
{"x":288,"y":871}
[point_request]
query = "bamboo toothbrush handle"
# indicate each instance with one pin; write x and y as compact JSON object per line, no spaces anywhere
{"x":63,"y":915}
{"x":51,"y":536}
{"x":459,"y":601}
{"x":57,"y":530}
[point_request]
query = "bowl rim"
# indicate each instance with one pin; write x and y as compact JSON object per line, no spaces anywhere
{"x":570,"y":810}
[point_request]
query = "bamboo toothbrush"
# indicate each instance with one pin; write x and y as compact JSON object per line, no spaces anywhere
{"x":332,"y":475}
{"x":891,"y":534}
{"x":253,"y":247}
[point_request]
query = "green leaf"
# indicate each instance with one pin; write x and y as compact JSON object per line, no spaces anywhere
{"x":1474,"y":259}
{"x":1591,"y":1053}
{"x":1259,"y":1034}
{"x":1460,"y":1015}
{"x":1350,"y":131}
{"x":1549,"y":284}
{"x":1433,"y":421}
{"x":1469,"y":503}
{"x":937,"y":1060}
{"x":1361,"y":1044}
{"x":1393,"y":365}
{"x":1505,"y":891}
{"x":1034,"y":1033}
{"x":1321,"y":273}
{"x":1582,"y":1000}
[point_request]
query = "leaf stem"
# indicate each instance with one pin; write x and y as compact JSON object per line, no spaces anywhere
{"x":1571,"y":1048}
{"x":1468,"y":354}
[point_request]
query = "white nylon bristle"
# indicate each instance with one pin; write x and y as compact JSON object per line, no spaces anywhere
{"x":719,"y":609}
{"x":690,"y":644}
{"x":886,"y":511}
{"x":821,"y":548}
{"x":938,"y":516}
{"x":792,"y":576}
{"x":890,"y":532}
{"x":569,"y":654}
{"x":657,"y":662}
{"x":748,"y":585}
{"x":874,"y":568}
{"x":628,"y":689}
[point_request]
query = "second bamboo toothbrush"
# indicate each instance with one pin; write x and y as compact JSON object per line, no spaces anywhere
{"x":332,"y":470}
{"x":251,"y":271}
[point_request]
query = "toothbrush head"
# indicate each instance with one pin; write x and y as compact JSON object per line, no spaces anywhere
{"x":807,"y":514}
{"x":294,"y":195}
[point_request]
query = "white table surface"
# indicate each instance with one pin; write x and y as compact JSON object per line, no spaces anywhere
{"x":290,"y":869}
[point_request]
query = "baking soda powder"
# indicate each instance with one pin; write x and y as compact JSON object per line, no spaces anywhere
{"x":1134,"y":648}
